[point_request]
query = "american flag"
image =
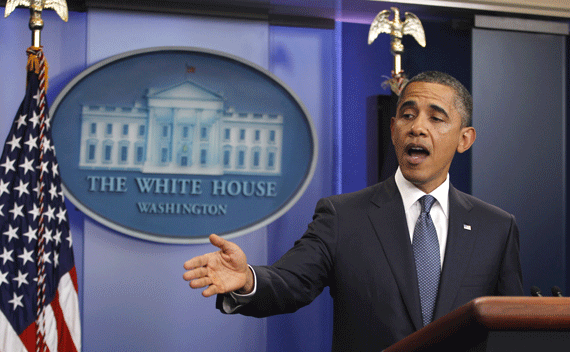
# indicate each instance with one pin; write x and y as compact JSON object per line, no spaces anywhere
{"x":38,"y":282}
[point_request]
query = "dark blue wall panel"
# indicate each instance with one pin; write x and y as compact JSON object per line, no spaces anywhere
{"x":519,"y":159}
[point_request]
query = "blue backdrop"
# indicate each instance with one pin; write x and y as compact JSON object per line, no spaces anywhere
{"x":132,"y":294}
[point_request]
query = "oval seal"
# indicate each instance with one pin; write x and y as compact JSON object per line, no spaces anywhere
{"x":171,"y":144}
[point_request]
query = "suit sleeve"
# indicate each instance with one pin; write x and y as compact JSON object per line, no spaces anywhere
{"x":510,"y":277}
{"x":301,"y":274}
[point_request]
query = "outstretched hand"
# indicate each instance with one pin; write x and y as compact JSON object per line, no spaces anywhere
{"x":221,"y":272}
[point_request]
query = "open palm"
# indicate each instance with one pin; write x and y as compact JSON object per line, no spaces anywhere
{"x":222,"y":271}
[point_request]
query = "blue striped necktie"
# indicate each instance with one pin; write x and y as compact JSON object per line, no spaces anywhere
{"x":426,"y":254}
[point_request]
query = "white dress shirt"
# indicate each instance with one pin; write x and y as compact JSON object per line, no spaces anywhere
{"x":439,"y":211}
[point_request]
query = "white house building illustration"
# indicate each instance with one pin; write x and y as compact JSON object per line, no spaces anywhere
{"x":182,"y":129}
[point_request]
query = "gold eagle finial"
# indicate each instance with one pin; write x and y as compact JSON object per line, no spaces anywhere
{"x":59,"y":6}
{"x":397,"y":29}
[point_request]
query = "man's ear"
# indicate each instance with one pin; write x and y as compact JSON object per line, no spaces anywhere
{"x":466,"y":139}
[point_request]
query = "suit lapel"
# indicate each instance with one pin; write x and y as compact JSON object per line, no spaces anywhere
{"x":389,"y":221}
{"x":460,"y":242}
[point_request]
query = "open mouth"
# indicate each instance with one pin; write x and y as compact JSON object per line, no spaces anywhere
{"x":416,"y":153}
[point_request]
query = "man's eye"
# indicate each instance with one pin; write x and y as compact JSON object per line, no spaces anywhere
{"x":408,"y":116}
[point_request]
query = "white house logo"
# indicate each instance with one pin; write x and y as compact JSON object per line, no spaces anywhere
{"x":162,"y":152}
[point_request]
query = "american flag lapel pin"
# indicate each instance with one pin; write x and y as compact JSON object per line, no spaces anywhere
{"x":467,"y":227}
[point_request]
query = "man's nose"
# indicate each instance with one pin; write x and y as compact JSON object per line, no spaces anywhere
{"x":419,"y":125}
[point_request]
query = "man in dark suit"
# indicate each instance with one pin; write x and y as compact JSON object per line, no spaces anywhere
{"x":368,"y":246}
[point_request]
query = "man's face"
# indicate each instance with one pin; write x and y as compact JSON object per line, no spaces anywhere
{"x":427,"y":132}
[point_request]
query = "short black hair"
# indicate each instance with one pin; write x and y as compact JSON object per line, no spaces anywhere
{"x":463,"y":101}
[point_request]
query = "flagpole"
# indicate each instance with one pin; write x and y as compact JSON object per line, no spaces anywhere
{"x":41,"y":230}
{"x":36,"y":58}
{"x":35,"y":54}
{"x":36,"y":26}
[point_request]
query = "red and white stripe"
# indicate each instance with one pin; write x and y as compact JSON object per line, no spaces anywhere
{"x":61,"y":320}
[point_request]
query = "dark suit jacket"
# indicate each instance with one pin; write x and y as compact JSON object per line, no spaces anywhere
{"x":359,"y":245}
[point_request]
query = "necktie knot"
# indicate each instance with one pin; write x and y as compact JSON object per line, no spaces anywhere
{"x":426,"y":203}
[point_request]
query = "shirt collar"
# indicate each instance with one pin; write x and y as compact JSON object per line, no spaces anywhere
{"x":410,"y":193}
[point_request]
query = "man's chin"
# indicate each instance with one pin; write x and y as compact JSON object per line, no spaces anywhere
{"x":413,"y":174}
{"x":416,"y":177}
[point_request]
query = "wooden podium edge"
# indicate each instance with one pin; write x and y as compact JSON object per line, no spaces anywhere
{"x":470,"y":323}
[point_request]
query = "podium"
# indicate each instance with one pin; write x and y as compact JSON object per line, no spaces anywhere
{"x":496,"y":324}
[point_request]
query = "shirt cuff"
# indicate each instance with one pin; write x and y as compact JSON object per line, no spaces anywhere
{"x":235,"y":300}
